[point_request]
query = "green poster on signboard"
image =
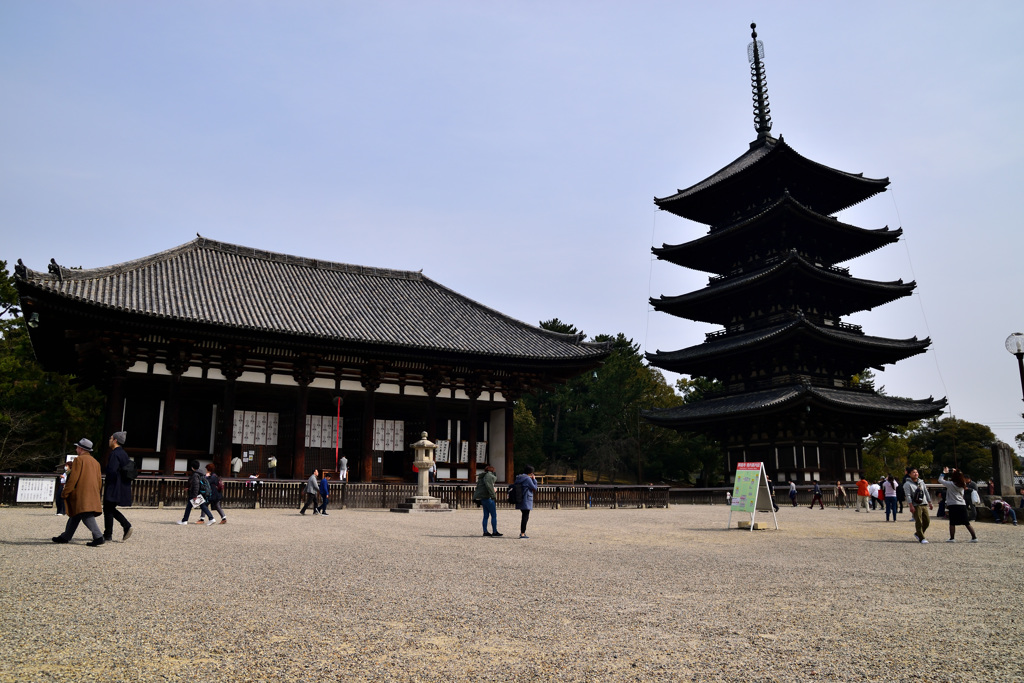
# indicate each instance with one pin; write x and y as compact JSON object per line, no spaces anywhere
{"x":744,"y":491}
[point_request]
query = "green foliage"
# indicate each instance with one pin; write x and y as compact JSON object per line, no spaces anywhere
{"x":957,"y":443}
{"x":930,"y":446}
{"x":891,"y":452}
{"x":594,"y":422}
{"x":39,"y":411}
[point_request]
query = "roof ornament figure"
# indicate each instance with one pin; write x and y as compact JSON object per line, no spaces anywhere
{"x":56,"y":269}
{"x":759,"y":86}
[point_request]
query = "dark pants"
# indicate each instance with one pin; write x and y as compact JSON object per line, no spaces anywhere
{"x":490,"y":510}
{"x":323,"y":505}
{"x":204,"y":509}
{"x":522,"y":524}
{"x":87,"y":518}
{"x":817,"y":498}
{"x":110,"y":513}
{"x":216,"y":506}
{"x":271,"y":473}
{"x":310,"y":501}
{"x":60,"y":498}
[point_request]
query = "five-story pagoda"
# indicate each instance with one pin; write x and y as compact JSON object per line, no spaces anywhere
{"x":785,"y":357}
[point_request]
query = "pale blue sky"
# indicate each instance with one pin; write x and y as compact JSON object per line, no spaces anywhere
{"x":511,"y":150}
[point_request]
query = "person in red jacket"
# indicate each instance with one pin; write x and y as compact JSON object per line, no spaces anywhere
{"x":863,"y":495}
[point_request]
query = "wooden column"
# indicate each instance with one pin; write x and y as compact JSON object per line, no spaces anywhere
{"x":304,"y":373}
{"x":115,"y":410}
{"x":432,"y":382}
{"x":473,"y":392}
{"x":231,"y":368}
{"x":510,"y":468}
{"x":370,"y":381}
{"x":170,"y":427}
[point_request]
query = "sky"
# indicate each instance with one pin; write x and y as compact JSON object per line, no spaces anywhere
{"x":512,"y":150}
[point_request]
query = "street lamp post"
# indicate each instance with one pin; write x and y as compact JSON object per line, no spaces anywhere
{"x":1015,"y":345}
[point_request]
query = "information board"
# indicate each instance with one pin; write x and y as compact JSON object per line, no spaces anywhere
{"x":33,"y":490}
{"x":744,"y":491}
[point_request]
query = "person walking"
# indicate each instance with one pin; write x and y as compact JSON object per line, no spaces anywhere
{"x":197,"y":485}
{"x":325,"y":493}
{"x":841,"y":496}
{"x":343,"y":469}
{"x":312,"y":488}
{"x":817,"y":497}
{"x":61,"y":480}
{"x":901,"y":493}
{"x":525,"y":485}
{"x":863,"y":495}
{"x":488,"y":500}
{"x":889,"y":487}
{"x":956,"y":506}
{"x":236,"y":466}
{"x":873,"y":490}
{"x":82,"y":495}
{"x":118,"y":490}
{"x":792,"y":492}
{"x":216,"y":492}
{"x":917,"y":497}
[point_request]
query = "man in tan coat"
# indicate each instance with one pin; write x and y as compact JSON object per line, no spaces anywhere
{"x":82,"y":495}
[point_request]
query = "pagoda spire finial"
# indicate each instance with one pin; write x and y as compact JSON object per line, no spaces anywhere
{"x":759,"y":86}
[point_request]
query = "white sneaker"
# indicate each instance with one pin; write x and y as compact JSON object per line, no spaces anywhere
{"x":973,"y":540}
{"x":924,"y":540}
{"x":182,"y":522}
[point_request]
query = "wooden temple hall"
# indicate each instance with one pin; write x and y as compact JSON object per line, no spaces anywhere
{"x":212,"y":350}
{"x":784,"y":356}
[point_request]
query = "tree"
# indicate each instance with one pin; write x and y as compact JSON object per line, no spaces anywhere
{"x":39,"y":411}
{"x":957,"y":443}
{"x":891,"y":452}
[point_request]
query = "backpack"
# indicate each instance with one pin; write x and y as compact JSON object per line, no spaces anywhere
{"x":128,"y":472}
{"x":204,"y":488}
{"x":917,"y":498}
{"x":513,"y":494}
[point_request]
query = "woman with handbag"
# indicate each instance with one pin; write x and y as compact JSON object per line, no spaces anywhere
{"x":956,"y":506}
{"x":196,"y":499}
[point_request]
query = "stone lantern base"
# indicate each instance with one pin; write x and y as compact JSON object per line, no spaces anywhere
{"x":422,"y":504}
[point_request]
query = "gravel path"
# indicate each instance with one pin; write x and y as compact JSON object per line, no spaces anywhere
{"x":619,"y":595}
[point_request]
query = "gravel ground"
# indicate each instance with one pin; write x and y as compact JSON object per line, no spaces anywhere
{"x":619,"y":595}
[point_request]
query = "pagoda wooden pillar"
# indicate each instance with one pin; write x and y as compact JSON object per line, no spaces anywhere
{"x":169,"y":454}
{"x":370,"y":381}
{"x":510,"y":467}
{"x":432,"y":385}
{"x":473,"y":391}
{"x":304,"y":373}
{"x":115,"y":410}
{"x":227,"y":421}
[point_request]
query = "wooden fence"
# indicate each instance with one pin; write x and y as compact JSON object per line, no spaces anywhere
{"x":155,"y":491}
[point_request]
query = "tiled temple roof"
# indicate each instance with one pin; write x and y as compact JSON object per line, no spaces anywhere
{"x":231,"y":286}
{"x":749,"y":178}
{"x":751,"y":404}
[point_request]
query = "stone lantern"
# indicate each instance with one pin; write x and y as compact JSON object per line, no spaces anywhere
{"x":423,"y":460}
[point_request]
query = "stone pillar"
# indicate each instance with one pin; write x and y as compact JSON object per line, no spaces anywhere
{"x":370,"y":381}
{"x":1002,"y":469}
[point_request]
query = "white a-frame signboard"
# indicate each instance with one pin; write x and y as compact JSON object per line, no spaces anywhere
{"x":751,"y":492}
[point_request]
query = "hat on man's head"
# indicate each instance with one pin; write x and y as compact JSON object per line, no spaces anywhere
{"x":84,"y":444}
{"x":119,"y":437}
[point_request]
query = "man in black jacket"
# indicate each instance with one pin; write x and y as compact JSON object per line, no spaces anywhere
{"x":118,"y":491}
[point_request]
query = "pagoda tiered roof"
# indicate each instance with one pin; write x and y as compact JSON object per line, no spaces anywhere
{"x":719,"y":302}
{"x":764,"y":172}
{"x":842,"y":404}
{"x":785,"y":222}
{"x":245,"y":294}
{"x":719,"y":352}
